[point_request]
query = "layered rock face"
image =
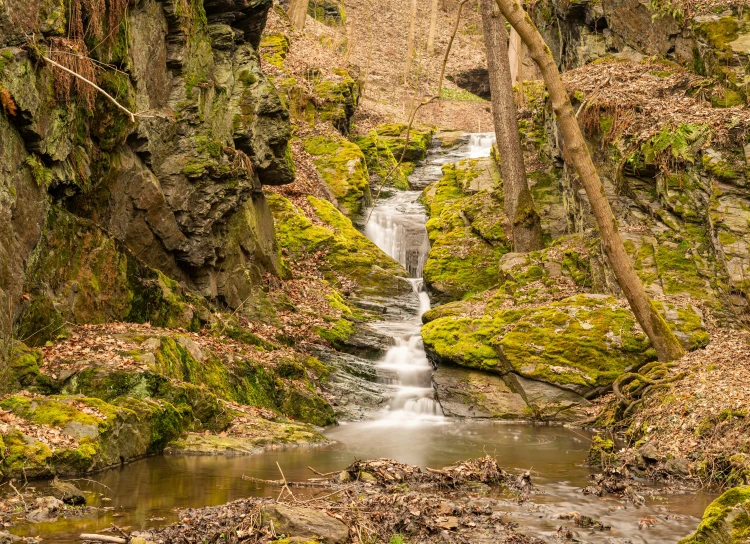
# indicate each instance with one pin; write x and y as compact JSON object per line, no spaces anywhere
{"x":669,"y":139}
{"x":177,"y":191}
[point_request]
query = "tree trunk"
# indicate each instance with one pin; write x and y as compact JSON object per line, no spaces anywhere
{"x":410,"y":41}
{"x":433,"y":26}
{"x":298,"y":13}
{"x":515,"y":55}
{"x":526,"y":229}
{"x":664,"y":341}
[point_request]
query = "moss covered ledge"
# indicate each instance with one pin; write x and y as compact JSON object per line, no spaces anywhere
{"x":725,"y":521}
{"x":580,"y":343}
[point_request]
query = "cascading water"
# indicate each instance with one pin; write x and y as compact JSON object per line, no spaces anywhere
{"x":397,"y":226}
{"x":480,"y":145}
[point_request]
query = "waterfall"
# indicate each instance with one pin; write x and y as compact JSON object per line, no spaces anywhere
{"x":480,"y":144}
{"x":397,"y":226}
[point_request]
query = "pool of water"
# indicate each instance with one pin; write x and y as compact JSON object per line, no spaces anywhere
{"x":150,"y":492}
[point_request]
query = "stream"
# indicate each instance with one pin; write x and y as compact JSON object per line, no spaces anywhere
{"x":410,"y":428}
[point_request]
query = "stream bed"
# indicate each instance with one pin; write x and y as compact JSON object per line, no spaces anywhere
{"x":410,"y":428}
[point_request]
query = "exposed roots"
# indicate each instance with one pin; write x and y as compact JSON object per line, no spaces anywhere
{"x":631,"y":388}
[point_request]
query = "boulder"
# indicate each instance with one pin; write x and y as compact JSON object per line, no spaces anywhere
{"x":305,"y":523}
{"x":67,"y":492}
{"x":726,"y":520}
{"x":475,"y":394}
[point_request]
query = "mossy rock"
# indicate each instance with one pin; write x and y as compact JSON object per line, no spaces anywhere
{"x":107,"y":434}
{"x":328,"y":12}
{"x":725,"y":521}
{"x":580,"y":343}
{"x":466,"y":229}
{"x":601,"y":452}
{"x":274,"y":48}
{"x":342,"y":166}
{"x":23,"y":365}
{"x":79,"y":274}
{"x":349,"y":252}
{"x":384,"y":146}
{"x":336,"y":98}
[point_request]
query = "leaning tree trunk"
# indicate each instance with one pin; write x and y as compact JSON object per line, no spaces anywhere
{"x":298,"y":13}
{"x":526,"y":229}
{"x":664,"y":341}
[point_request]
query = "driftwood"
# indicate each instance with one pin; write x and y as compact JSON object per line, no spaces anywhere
{"x":282,"y":483}
{"x":103,"y":538}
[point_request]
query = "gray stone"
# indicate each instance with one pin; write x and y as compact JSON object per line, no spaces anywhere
{"x":545,"y":398}
{"x":305,"y":523}
{"x":475,"y":394}
{"x":45,"y":509}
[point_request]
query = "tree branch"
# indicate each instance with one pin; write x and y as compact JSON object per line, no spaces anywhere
{"x":94,"y":85}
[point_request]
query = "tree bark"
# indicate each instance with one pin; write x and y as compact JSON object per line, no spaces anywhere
{"x":410,"y":40}
{"x":433,"y":26}
{"x":298,"y":13}
{"x":526,"y":229}
{"x":664,"y":341}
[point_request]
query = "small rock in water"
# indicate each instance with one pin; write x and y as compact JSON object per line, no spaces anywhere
{"x":47,"y":509}
{"x":68,"y":493}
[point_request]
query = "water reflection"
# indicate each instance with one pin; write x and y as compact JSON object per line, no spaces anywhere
{"x":157,"y":487}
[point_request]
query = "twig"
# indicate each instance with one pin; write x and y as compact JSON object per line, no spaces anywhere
{"x":94,"y":85}
{"x":123,"y":533}
{"x":86,"y":480}
{"x":323,"y":474}
{"x":328,"y":495}
{"x":286,"y":487}
{"x":19,"y":495}
{"x":280,"y":483}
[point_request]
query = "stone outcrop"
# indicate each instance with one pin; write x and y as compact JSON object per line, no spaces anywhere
{"x":180,"y":188}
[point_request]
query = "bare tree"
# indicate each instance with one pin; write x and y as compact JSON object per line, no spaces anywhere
{"x":664,"y":341}
{"x":433,"y":25}
{"x":526,"y":229}
{"x":410,"y":40}
{"x":298,"y":13}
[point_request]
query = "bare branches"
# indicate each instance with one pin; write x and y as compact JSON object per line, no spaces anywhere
{"x":448,"y":49}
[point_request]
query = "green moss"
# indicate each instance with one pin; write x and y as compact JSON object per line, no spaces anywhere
{"x":581,"y":340}
{"x":466,"y":229}
{"x":727,"y":519}
{"x":601,"y":452}
{"x":343,"y":167}
{"x":719,"y":33}
{"x":349,"y":252}
{"x":274,"y":49}
{"x":110,"y":125}
{"x":460,"y":95}
{"x":384,"y":146}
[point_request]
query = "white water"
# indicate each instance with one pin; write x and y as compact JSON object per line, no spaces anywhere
{"x":397,"y":227}
{"x":480,"y":145}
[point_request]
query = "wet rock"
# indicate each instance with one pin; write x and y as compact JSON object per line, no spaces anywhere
{"x":305,"y":523}
{"x":67,"y":492}
{"x":474,"y":394}
{"x":726,"y":520}
{"x":45,"y":509}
